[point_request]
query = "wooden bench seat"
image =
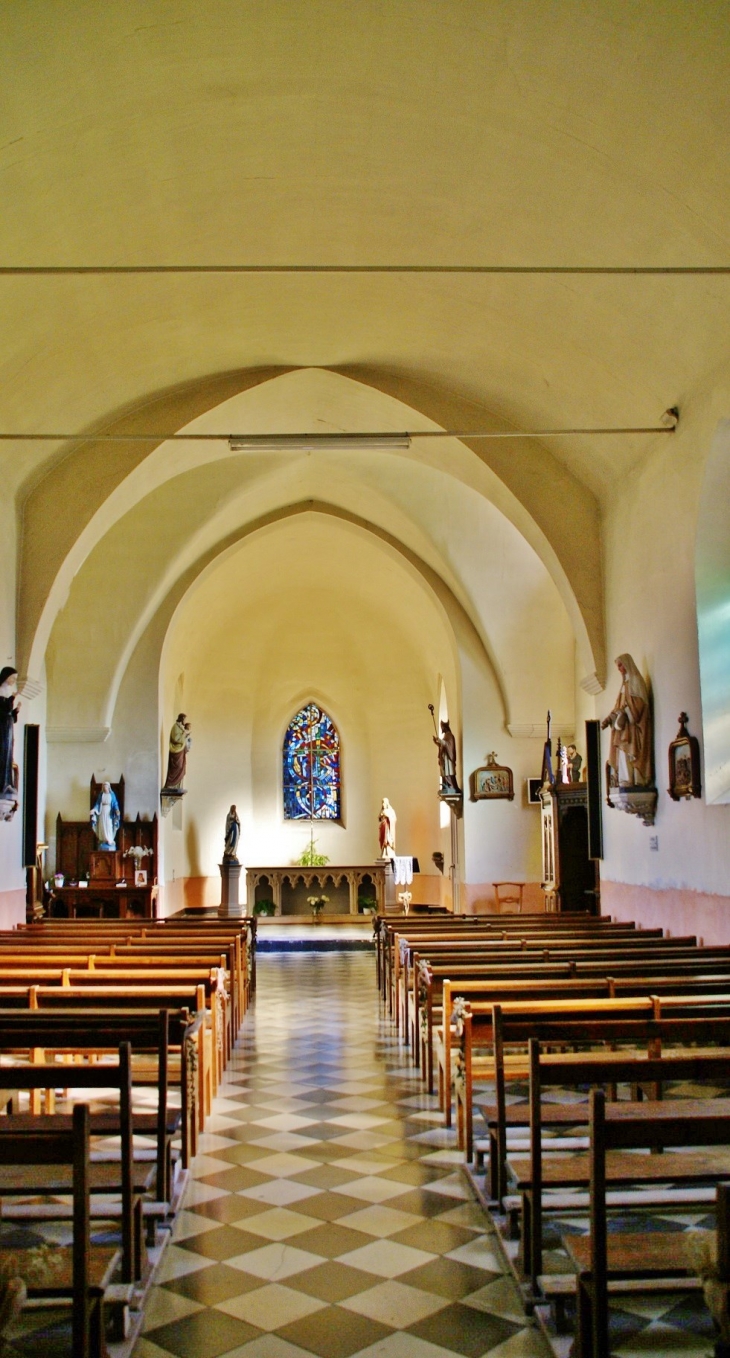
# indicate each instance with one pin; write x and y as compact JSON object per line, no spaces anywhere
{"x":574,"y":1024}
{"x":84,"y":1273}
{"x":601,"y":1258}
{"x":531,"y":1174}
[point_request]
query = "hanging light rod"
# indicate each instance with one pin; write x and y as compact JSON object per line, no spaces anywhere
{"x":387,"y":441}
{"x":608,"y":270}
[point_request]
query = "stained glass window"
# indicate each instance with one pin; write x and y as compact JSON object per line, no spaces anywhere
{"x":312,"y":766}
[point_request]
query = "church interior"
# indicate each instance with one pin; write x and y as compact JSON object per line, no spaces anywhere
{"x":364,"y":559}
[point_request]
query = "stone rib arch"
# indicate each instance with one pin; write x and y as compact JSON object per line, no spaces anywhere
{"x":176,"y":589}
{"x":577,"y":576}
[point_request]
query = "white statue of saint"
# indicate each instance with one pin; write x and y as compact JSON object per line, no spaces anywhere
{"x":386,"y":829}
{"x":106,"y":817}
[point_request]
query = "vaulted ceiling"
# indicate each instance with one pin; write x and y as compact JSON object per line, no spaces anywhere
{"x":305,"y":132}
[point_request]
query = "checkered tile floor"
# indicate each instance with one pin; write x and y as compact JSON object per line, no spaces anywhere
{"x":328,"y":1214}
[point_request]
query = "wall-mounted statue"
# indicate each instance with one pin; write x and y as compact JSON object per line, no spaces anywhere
{"x":9,"y":708}
{"x":233,"y":834}
{"x":180,"y":741}
{"x":387,"y":820}
{"x":446,"y":743}
{"x":575,"y":763}
{"x":106,"y":817}
{"x":630,"y":762}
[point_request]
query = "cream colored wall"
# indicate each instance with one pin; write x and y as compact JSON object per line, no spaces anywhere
{"x":311,"y":609}
{"x":131,"y":748}
{"x":12,"y":876}
{"x":649,"y":536}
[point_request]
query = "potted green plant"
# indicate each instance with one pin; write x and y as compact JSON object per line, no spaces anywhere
{"x":367,"y":905}
{"x":317,"y":904}
{"x":310,"y":858}
{"x":264,"y":908}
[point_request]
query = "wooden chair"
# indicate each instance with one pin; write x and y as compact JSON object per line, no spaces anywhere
{"x":508,"y":893}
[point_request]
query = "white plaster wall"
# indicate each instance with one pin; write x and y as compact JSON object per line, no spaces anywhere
{"x":131,"y":749}
{"x":649,"y":536}
{"x":501,"y":838}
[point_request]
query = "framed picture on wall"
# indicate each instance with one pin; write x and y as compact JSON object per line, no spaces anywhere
{"x":493,"y":782}
{"x":533,"y":791}
{"x":140,"y":877}
{"x":684,"y":763}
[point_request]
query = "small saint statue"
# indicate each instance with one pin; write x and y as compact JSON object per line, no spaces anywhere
{"x":233,"y":834}
{"x":630,"y":762}
{"x":575,"y":762}
{"x":9,"y":708}
{"x":106,"y":817}
{"x":386,"y":829}
{"x":180,"y":741}
{"x":446,"y":743}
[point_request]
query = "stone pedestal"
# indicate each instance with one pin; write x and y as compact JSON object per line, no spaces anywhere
{"x":230,"y":871}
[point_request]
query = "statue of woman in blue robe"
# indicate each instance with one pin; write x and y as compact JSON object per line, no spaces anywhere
{"x":106,"y":817}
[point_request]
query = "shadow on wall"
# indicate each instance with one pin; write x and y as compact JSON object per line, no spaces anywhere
{"x":192,"y":845}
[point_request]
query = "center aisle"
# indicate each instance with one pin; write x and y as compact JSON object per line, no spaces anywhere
{"x":328,"y":1214}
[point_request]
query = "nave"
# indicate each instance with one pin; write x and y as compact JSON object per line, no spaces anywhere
{"x":328,"y":1213}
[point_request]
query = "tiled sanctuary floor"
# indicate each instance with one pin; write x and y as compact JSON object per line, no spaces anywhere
{"x":328,"y":1215}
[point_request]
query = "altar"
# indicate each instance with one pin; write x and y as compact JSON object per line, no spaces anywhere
{"x":346,"y":887}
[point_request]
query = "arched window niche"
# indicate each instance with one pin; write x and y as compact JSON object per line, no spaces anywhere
{"x":712,"y":578}
{"x":311,"y":766}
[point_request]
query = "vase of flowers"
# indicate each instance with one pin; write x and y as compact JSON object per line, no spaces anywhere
{"x":316,"y":905}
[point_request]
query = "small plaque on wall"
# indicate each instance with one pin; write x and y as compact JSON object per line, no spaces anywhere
{"x":493,"y":782}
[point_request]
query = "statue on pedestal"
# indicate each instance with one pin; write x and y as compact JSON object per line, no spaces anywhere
{"x":106,"y":818}
{"x":180,"y":741}
{"x":446,"y":743}
{"x":9,"y":708}
{"x":233,"y":834}
{"x":630,"y":753}
{"x":386,"y":829}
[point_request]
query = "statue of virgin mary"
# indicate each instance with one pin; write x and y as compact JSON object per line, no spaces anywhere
{"x":106,"y":817}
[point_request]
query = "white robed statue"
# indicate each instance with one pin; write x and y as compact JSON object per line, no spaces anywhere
{"x":106,"y":817}
{"x":386,"y":829}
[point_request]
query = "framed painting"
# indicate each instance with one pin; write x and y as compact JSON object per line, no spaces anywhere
{"x":493,"y":782}
{"x":684,"y":763}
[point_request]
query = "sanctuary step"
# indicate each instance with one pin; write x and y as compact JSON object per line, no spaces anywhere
{"x":331,"y":934}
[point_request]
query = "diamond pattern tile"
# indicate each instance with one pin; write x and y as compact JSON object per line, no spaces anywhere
{"x":328,"y":1214}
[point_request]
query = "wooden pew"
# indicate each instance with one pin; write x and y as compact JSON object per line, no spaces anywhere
{"x":532,"y":1174}
{"x":509,"y":1026}
{"x":482,"y":984}
{"x":573,"y":1024}
{"x":118,"y":948}
{"x":576,"y":952}
{"x":616,"y":1261}
{"x":14,"y":1181}
{"x":409,"y":949}
{"x":87,"y":1033}
{"x":389,"y":929}
{"x":86,"y":1270}
{"x":190,"y":996}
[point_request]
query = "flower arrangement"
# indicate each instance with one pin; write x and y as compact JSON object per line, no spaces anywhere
{"x":137,"y":852}
{"x":317,"y":904}
{"x":405,"y":898}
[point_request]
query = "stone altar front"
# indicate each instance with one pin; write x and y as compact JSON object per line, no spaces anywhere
{"x":376,"y":878}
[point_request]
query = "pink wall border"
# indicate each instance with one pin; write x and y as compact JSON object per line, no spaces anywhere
{"x":676,"y":909}
{"x":12,"y":908}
